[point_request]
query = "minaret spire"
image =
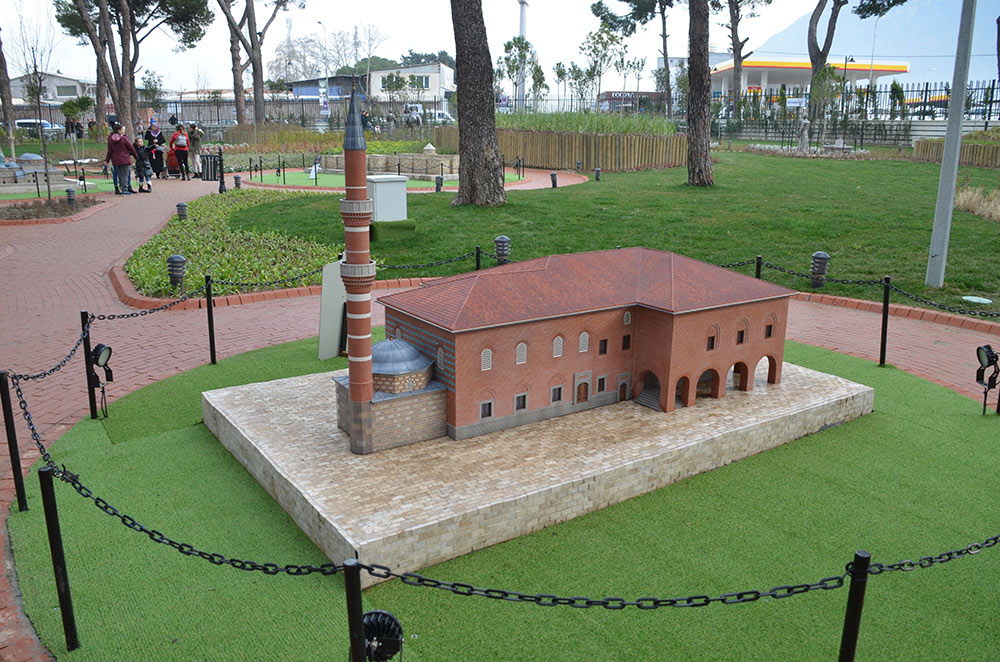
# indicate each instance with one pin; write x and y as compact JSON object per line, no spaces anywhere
{"x":357,"y":270}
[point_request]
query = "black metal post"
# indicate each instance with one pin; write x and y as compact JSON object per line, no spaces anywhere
{"x":760,"y":262}
{"x":84,"y":320}
{"x":38,"y":190}
{"x":222,"y":179}
{"x":260,"y":168}
{"x":83,"y":178}
{"x":303,"y":163}
{"x":855,"y":602}
{"x":250,"y":167}
{"x":210,"y":305}
{"x":479,"y":254}
{"x":282,"y":162}
{"x":885,"y":321}
{"x":58,"y":557}
{"x":355,"y":617}
{"x":15,"y":455}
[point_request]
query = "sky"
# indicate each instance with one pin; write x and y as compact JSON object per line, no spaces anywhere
{"x":555,"y":28}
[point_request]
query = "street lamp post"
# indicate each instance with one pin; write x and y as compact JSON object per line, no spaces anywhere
{"x":871,"y":63}
{"x":843,"y":99}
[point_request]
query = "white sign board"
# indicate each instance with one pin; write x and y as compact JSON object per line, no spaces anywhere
{"x":332,"y":302}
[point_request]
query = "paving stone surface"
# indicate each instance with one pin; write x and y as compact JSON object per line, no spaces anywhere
{"x":51,"y":272}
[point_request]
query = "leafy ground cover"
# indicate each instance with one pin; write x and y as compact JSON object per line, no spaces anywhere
{"x":211,"y":245}
{"x":904,"y":482}
{"x":587,"y":123}
{"x":873,"y":217}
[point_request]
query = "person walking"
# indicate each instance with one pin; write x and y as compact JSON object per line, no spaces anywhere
{"x":179,"y":143}
{"x":195,"y":134}
{"x":155,"y":141}
{"x":119,"y":150}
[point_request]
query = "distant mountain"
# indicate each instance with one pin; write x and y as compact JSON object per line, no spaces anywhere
{"x":923,"y":33}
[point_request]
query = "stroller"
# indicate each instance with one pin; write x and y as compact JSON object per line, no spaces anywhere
{"x":172,"y":165}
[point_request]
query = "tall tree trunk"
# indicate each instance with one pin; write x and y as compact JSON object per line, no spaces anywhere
{"x":480,"y":173}
{"x":666,"y":60}
{"x":7,"y":103}
{"x":238,"y":92}
{"x":738,"y":57}
{"x":100,"y":98}
{"x":699,"y":98}
{"x":817,"y":53}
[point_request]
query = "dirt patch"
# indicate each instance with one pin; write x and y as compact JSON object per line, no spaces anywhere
{"x":24,"y":211}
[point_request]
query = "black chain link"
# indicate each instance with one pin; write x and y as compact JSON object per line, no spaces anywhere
{"x":929,"y":561}
{"x":785,"y":271}
{"x":59,"y":366}
{"x":578,"y":602}
{"x":37,"y":438}
{"x":150,"y":311}
{"x":458,"y":258}
{"x":268,"y":283}
{"x":941,"y":306}
{"x":733,"y":265}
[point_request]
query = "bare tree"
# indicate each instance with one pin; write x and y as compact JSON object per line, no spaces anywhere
{"x":33,"y":54}
{"x":817,"y":53}
{"x":252,"y":40}
{"x":480,"y":173}
{"x":738,"y":10}
{"x":238,"y":67}
{"x":700,"y":98}
{"x":6,"y":102}
{"x":371,"y":39}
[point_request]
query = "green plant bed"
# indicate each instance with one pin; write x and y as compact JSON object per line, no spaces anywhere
{"x":587,"y":122}
{"x":93,"y":186}
{"x":904,"y":482}
{"x":872,"y":217}
{"x":299,"y":178}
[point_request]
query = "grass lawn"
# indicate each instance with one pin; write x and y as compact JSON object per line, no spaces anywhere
{"x":94,"y":185}
{"x":300,"y":178}
{"x":916,"y":477}
{"x":873,"y":217}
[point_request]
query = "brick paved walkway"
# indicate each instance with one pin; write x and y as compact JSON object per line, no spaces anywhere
{"x":52,"y":271}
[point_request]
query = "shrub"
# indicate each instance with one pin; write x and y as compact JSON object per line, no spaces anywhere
{"x":587,"y":123}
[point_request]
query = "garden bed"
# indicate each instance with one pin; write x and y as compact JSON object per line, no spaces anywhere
{"x":45,"y":210}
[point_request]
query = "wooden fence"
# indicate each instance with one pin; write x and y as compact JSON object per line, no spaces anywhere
{"x":986,"y":156}
{"x":561,"y":151}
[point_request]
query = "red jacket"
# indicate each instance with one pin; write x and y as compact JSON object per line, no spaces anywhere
{"x":119,"y":150}
{"x":173,"y":139}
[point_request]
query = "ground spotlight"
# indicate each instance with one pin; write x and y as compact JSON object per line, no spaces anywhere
{"x":987,"y":359}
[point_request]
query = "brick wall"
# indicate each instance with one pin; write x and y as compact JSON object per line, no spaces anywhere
{"x":413,"y":381}
{"x":409,"y":418}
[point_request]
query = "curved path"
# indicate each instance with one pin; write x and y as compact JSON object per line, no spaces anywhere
{"x":52,"y":271}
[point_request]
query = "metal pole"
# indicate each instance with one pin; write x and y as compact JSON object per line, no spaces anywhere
{"x":15,"y":455}
{"x":83,"y":178}
{"x":84,"y":320}
{"x":855,"y":602}
{"x":222,"y":176}
{"x":885,"y":321}
{"x":211,"y":316}
{"x":282,"y":162}
{"x":760,"y":262}
{"x":58,"y":558}
{"x":355,"y":617}
{"x":478,"y":258}
{"x":938,"y":259}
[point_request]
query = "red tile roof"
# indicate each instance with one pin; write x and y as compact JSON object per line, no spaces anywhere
{"x":578,"y":283}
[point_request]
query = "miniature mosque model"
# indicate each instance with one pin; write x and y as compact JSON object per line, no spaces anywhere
{"x":519,"y":343}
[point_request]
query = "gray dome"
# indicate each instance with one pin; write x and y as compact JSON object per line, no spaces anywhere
{"x":29,"y":156}
{"x":397,"y":357}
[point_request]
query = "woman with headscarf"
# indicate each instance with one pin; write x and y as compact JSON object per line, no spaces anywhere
{"x":155,"y":141}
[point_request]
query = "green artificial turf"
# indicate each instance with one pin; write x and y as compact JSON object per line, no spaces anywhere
{"x":873,"y":217}
{"x":916,"y":477}
{"x":94,"y":185}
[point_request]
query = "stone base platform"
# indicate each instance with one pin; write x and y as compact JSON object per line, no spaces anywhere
{"x":421,"y":504}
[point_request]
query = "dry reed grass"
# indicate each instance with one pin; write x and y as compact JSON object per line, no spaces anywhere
{"x":985,"y":204}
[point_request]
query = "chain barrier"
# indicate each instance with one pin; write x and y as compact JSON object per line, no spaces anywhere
{"x":578,"y":602}
{"x":464,"y":256}
{"x":929,"y":561}
{"x":733,"y":265}
{"x":150,"y":311}
{"x":268,"y":283}
{"x":59,"y":366}
{"x":37,"y":438}
{"x":941,"y":306}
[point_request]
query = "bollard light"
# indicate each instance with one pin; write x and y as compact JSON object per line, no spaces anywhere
{"x":987,"y":358}
{"x":99,"y":357}
{"x":501,"y":246}
{"x":176,"y":268}
{"x":579,"y":165}
{"x":820,"y":265}
{"x":554,"y":175}
{"x":597,"y":174}
{"x":71,"y":197}
{"x":182,"y":211}
{"x":237,"y":181}
{"x":438,"y":183}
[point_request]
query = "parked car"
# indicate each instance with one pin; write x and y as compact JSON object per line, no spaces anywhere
{"x":440,"y":117}
{"x":33,"y":126}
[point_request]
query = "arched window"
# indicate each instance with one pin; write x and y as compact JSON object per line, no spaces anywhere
{"x":628,"y":318}
{"x":486,"y":359}
{"x":557,"y":347}
{"x":584,"y":341}
{"x":440,"y":359}
{"x":522,"y":353}
{"x":398,"y":335}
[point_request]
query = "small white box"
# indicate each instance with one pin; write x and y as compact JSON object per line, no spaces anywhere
{"x":388,"y":196}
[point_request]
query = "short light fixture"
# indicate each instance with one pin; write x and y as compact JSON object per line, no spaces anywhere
{"x":555,"y":178}
{"x":987,"y":359}
{"x":100,"y":356}
{"x":176,"y":269}
{"x":820,"y":265}
{"x":501,"y":246}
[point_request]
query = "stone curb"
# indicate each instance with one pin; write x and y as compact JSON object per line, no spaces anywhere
{"x":128,"y":295}
{"x":896,"y":310}
{"x":79,"y":216}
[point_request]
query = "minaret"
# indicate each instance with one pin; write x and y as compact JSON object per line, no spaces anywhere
{"x":357,"y":270}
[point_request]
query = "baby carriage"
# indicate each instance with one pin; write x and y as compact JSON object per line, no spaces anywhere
{"x":173,"y":167}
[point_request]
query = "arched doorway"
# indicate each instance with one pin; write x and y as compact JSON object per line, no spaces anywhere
{"x":682,"y":396}
{"x":582,"y":392}
{"x":622,"y":391}
{"x":773,"y":370}
{"x":709,"y":384}
{"x":650,"y":396}
{"x":742,"y":379}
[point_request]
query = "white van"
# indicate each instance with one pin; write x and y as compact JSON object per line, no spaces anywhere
{"x":441,"y":117}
